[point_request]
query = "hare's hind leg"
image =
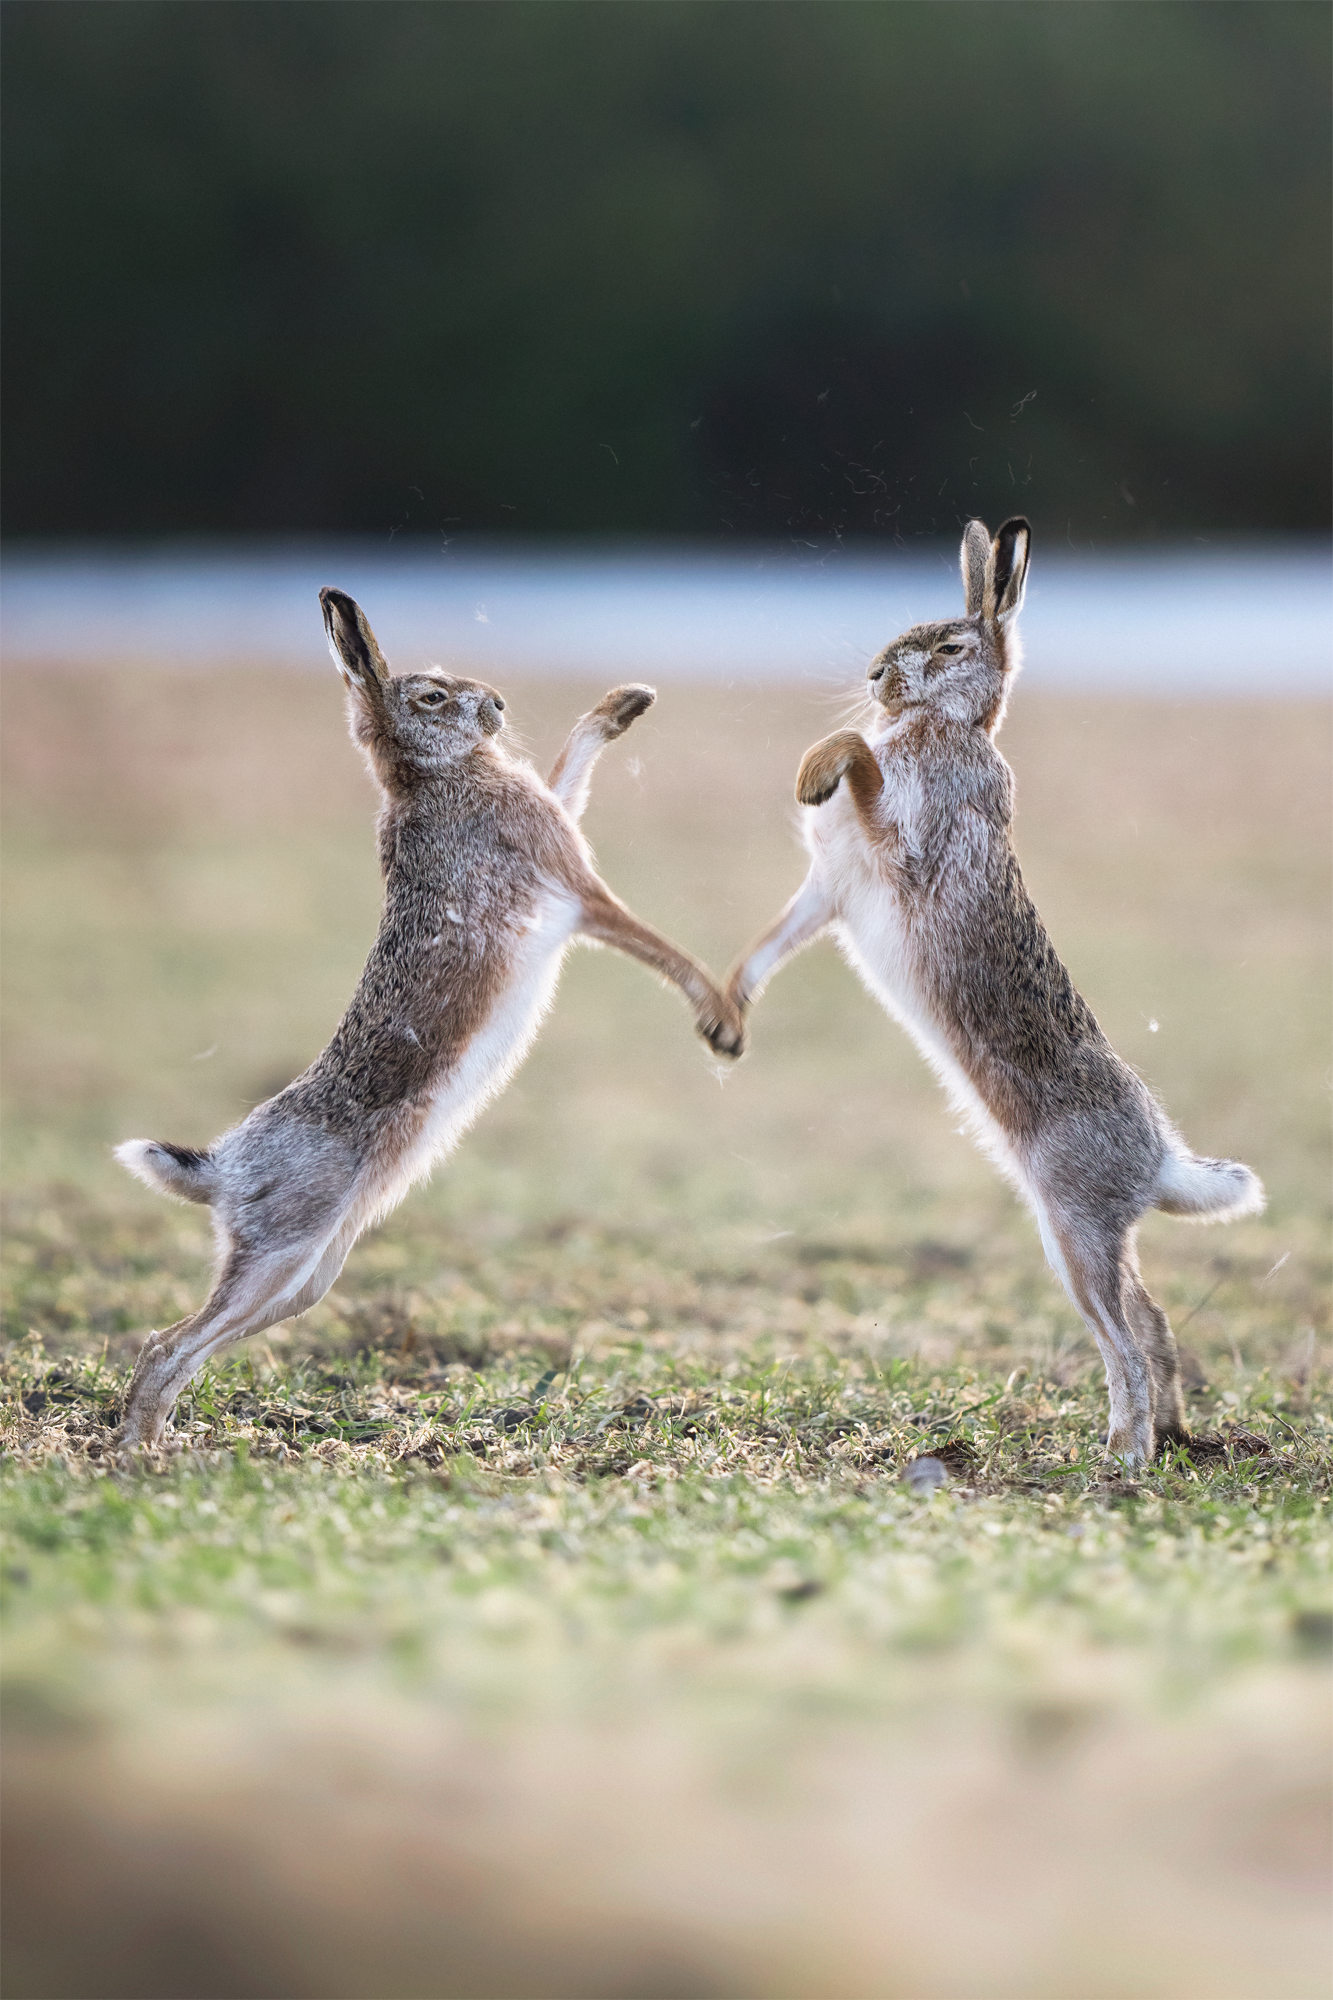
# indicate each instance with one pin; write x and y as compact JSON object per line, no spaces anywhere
{"x":255,"y":1289}
{"x":1159,"y":1344}
{"x":1089,"y":1256}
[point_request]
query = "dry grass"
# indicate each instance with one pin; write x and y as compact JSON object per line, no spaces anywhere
{"x":546,"y":1611}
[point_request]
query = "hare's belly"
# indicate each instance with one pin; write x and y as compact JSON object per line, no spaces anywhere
{"x":485,"y":1065}
{"x":875,"y":940}
{"x":876,"y":943}
{"x":869,"y":922}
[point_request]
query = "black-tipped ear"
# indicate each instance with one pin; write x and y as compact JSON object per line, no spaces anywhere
{"x":354,"y":647}
{"x":1007,"y":571}
{"x":972,"y":560}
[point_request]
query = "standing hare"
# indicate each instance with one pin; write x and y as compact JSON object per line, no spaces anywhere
{"x":913,"y":866}
{"x":487,"y":881}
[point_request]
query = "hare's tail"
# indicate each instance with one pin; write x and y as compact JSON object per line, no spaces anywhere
{"x":173,"y":1170}
{"x":1207,"y":1190}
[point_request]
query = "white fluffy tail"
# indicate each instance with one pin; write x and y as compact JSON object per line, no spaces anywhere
{"x":1207,"y":1190}
{"x":179,"y":1171}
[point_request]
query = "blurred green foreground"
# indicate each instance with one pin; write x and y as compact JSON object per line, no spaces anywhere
{"x":546,"y":1612}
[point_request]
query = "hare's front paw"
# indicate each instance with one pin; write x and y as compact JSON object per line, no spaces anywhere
{"x":823,"y":768}
{"x":622,"y":706}
{"x":736,"y":993}
{"x":722,"y":1027}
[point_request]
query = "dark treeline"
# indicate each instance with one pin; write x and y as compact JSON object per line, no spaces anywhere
{"x":706,"y":266}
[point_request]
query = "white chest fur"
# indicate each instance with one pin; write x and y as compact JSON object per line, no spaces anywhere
{"x":870,"y":917}
{"x":872,"y":927}
{"x":504,"y":1037}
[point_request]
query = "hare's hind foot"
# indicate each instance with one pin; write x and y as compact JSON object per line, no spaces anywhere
{"x":255,"y":1289}
{"x":152,"y":1390}
{"x":1094,"y":1261}
{"x":1125,"y":1450}
{"x":1129,"y":1448}
{"x":1158,"y":1342}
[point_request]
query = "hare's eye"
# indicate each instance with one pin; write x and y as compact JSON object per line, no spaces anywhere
{"x":949,"y":648}
{"x":435,"y":697}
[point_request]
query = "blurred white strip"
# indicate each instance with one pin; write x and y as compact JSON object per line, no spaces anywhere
{"x":1227,"y":620}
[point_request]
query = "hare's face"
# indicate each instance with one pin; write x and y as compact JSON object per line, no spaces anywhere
{"x":411,"y":726}
{"x":437,"y":719}
{"x":960,"y":668}
{"x":951,"y":668}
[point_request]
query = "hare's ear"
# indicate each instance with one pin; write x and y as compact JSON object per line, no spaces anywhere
{"x":1007,"y":571}
{"x":354,"y":647}
{"x":972,"y":560}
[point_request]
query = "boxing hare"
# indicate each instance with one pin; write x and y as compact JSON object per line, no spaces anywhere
{"x":913,"y":866}
{"x":487,"y":881}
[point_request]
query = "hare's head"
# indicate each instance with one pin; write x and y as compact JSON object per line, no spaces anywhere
{"x":962,"y":667}
{"x":412,"y":725}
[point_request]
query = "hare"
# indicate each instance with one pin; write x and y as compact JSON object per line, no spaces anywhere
{"x":913,"y":866}
{"x":487,"y":881}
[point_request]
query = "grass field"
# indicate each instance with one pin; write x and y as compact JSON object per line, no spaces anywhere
{"x":547,"y":1612}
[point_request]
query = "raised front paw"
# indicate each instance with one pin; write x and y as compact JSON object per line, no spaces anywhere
{"x":722,"y":1027}
{"x":823,"y":767}
{"x":622,"y":706}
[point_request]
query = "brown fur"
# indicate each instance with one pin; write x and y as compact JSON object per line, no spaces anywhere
{"x":845,"y":755}
{"x":487,"y":879}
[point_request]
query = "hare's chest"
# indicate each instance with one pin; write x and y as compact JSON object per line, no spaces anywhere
{"x":535,"y":947}
{"x":863,"y":879}
{"x":504,"y":1029}
{"x":877,"y":938}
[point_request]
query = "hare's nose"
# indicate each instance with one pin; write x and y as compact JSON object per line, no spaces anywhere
{"x":497,"y":699}
{"x":876,"y":670}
